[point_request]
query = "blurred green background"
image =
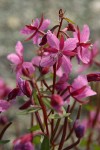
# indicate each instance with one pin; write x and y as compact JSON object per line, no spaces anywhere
{"x":14,"y":14}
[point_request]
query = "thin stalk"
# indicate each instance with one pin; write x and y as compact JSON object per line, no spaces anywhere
{"x":64,"y":130}
{"x":55,"y":129}
{"x":5,"y":128}
{"x":73,"y":145}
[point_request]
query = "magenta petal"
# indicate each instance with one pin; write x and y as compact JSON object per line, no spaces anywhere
{"x":84,"y":55}
{"x":70,"y":44}
{"x":29,"y":67}
{"x":45,"y":24}
{"x":82,"y":80}
{"x":26,"y":31}
{"x":14,"y":58}
{"x":4,"y":105}
{"x":19,"y":48}
{"x":84,"y":36}
{"x":66,"y":64}
{"x":36,"y":61}
{"x":48,"y":61}
{"x":52,"y":40}
{"x":86,"y":93}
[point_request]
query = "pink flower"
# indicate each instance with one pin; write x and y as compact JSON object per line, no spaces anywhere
{"x":59,"y":52}
{"x":83,"y":44}
{"x":18,"y":60}
{"x":80,"y":88}
{"x":93,"y":53}
{"x":24,"y":143}
{"x":4,"y":105}
{"x":36,"y":29}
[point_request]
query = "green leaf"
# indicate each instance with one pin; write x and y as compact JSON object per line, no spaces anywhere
{"x":47,"y":103}
{"x":57,"y":116}
{"x":36,"y":140}
{"x":34,"y":128}
{"x":30,"y":110}
{"x":69,"y":21}
{"x":35,"y":97}
{"x":45,"y":144}
{"x":4,"y":141}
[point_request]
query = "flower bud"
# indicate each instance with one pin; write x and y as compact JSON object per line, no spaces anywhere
{"x":13,"y":94}
{"x":57,"y":102}
{"x":93,"y":77}
{"x":79,"y":129}
{"x":45,"y":70}
{"x":3,"y":120}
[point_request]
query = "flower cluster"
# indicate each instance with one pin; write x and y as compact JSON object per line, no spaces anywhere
{"x":47,"y":83}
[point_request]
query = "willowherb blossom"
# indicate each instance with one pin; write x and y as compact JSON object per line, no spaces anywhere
{"x":4,"y":105}
{"x":24,"y":143}
{"x":80,"y":88}
{"x":17,"y":60}
{"x":83,"y":44}
{"x":36,"y":29}
{"x":59,"y":51}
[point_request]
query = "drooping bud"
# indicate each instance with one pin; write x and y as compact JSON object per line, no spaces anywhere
{"x":93,"y":77}
{"x":79,"y":129}
{"x":45,"y":70}
{"x":57,"y":102}
{"x":25,"y":105}
{"x":13,"y":94}
{"x":71,"y":27}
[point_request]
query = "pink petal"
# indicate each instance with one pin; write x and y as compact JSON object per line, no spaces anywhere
{"x":36,"y":23}
{"x":84,"y":36}
{"x":29,"y":67}
{"x":45,"y":24}
{"x":52,"y":40}
{"x":84,"y":55}
{"x":14,"y":58}
{"x":26,"y":31}
{"x":86,"y":93}
{"x":79,"y":82}
{"x":36,"y":39}
{"x":19,"y":48}
{"x":66,"y":64}
{"x":59,"y":72}
{"x":4,"y":105}
{"x":70,"y":44}
{"x":48,"y":61}
{"x":36,"y":61}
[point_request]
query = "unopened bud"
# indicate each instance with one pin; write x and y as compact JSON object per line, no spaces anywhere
{"x":3,"y":120}
{"x":57,"y":102}
{"x":45,"y":70}
{"x":13,"y":94}
{"x":79,"y":129}
{"x":93,"y":77}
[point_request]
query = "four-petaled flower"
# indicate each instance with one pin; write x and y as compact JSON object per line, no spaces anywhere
{"x":36,"y":29}
{"x":59,"y":52}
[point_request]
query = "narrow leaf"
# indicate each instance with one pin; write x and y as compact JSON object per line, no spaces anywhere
{"x":45,"y":144}
{"x":69,"y":21}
